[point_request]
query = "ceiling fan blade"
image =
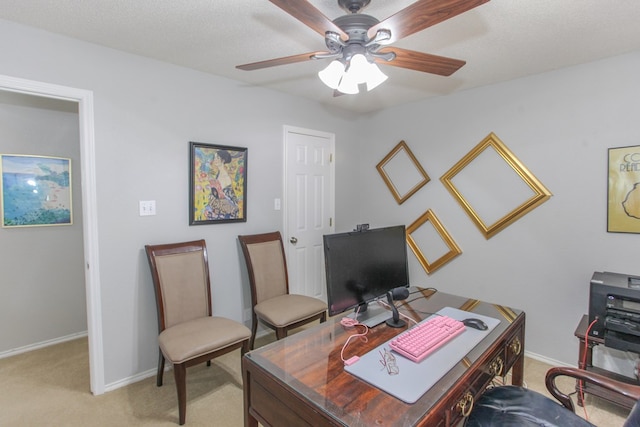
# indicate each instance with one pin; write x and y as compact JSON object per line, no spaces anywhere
{"x":420,"y":15}
{"x":424,"y":62}
{"x":278,"y":61}
{"x":306,"y":13}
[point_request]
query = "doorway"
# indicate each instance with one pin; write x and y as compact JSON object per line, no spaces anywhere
{"x":84,"y":99}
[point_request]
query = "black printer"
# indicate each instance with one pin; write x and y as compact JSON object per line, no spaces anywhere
{"x":614,"y":300}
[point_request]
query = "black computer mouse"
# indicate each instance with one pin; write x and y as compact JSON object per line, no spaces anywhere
{"x":475,"y":324}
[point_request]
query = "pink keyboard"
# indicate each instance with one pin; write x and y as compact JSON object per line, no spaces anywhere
{"x":426,"y":337}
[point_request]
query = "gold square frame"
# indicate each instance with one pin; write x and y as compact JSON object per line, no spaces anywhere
{"x":454,"y":250}
{"x":402,"y":172}
{"x":510,"y":188}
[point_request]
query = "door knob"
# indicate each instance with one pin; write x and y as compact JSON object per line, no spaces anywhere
{"x":293,"y":240}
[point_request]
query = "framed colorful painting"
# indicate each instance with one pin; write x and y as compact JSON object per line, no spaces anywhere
{"x":36,"y":191}
{"x":623,"y":212}
{"x":217,"y":184}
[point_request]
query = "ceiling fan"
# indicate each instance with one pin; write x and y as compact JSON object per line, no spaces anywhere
{"x":357,"y":41}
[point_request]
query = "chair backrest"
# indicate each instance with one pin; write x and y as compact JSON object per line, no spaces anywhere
{"x":180,"y":273}
{"x":266,"y":264}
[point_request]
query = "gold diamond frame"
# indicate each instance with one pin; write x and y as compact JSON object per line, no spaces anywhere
{"x":493,"y":144}
{"x":454,"y":250}
{"x":401,"y":160}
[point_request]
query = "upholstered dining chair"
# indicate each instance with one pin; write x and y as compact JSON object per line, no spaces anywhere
{"x":511,"y":406}
{"x":188,"y":332}
{"x":272,"y":303}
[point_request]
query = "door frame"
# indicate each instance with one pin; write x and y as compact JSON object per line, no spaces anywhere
{"x":84,"y":98}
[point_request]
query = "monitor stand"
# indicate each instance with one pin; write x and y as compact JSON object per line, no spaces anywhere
{"x":373,"y":315}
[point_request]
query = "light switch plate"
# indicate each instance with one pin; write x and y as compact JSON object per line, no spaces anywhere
{"x":147,"y":207}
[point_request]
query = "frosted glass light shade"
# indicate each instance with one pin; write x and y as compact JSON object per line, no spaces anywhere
{"x":349,"y":83}
{"x":375,"y":77}
{"x":332,"y":74}
{"x":359,"y":68}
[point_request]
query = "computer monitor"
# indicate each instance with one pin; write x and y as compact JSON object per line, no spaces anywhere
{"x":362,"y":266}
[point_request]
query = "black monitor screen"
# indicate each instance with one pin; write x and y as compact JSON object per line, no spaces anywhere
{"x":364,"y":265}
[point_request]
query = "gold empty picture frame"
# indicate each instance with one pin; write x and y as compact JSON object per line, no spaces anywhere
{"x":402,"y":172}
{"x":441,"y":247}
{"x":493,"y":186}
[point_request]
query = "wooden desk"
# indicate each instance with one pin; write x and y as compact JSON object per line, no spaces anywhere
{"x":585,"y":361}
{"x":300,"y":380}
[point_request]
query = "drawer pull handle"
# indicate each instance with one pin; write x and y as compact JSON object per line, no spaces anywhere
{"x":516,"y":346}
{"x":465,"y":405}
{"x":496,"y":367}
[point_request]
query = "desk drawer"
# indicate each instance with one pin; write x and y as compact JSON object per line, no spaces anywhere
{"x":514,"y":347}
{"x":274,"y":404}
{"x":460,"y":404}
{"x":498,"y":363}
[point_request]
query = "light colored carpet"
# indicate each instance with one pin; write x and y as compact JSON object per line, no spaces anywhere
{"x":50,"y":387}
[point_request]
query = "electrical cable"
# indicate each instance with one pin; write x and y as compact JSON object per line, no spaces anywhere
{"x":584,"y":365}
{"x":420,"y":290}
{"x":423,"y":289}
{"x":352,"y":336}
{"x":349,"y":323}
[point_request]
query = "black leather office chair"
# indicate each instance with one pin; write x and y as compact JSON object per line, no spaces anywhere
{"x":512,"y":406}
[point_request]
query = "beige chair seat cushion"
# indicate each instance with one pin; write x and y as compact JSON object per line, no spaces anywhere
{"x":284,"y":310}
{"x":191,"y":339}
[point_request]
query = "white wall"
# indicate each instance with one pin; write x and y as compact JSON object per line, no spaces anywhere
{"x":560,"y":125}
{"x":146,"y":112}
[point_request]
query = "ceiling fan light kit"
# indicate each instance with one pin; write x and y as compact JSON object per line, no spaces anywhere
{"x":355,"y":41}
{"x":346,"y":79}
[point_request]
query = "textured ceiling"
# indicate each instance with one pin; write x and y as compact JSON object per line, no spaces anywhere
{"x":500,"y":40}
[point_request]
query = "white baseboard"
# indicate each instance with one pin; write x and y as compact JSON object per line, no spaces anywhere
{"x":133,"y":379}
{"x":547,"y":360}
{"x":43,"y":344}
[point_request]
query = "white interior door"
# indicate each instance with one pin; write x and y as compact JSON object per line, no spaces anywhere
{"x":308,"y":207}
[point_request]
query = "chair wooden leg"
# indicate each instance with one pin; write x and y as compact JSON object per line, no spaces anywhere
{"x":180,"y":374}
{"x":160,"y":374}
{"x":254,"y":330}
{"x":281,"y":333}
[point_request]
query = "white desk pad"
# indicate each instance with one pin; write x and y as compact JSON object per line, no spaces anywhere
{"x":412,"y":379}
